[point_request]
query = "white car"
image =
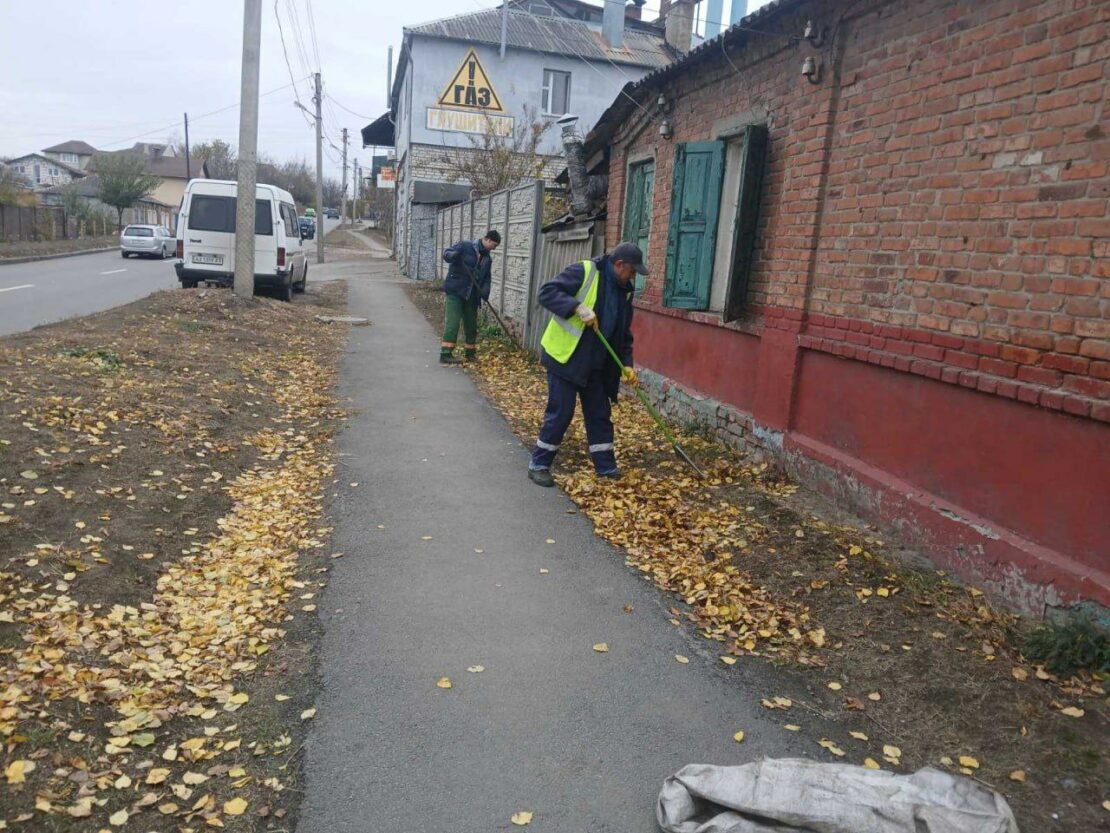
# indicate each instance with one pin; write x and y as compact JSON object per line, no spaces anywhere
{"x":206,"y":238}
{"x":154,"y":241}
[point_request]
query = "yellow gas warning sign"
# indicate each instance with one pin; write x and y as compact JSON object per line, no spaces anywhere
{"x":471,"y":88}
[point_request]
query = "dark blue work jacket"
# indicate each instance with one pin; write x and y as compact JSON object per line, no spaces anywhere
{"x":464,"y":255}
{"x":590,"y":355}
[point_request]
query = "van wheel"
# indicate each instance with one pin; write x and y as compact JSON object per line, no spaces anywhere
{"x":303,"y":284}
{"x":286,"y":291}
{"x":163,"y":253}
{"x":123,"y":255}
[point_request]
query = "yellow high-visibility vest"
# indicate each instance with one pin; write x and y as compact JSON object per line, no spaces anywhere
{"x":562,"y":334}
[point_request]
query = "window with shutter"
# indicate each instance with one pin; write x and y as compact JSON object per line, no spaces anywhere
{"x":746,"y":226}
{"x":637,"y":209}
{"x":692,"y":233}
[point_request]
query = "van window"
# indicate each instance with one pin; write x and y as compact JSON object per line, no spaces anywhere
{"x":289,"y":215}
{"x":209,"y":213}
{"x":138,"y":231}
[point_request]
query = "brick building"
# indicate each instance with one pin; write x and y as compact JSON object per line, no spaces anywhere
{"x":880,"y":249}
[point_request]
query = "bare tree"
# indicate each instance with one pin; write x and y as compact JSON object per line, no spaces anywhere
{"x":498,"y":159}
{"x":220,"y":156}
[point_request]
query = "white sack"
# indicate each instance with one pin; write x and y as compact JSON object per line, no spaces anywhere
{"x":800,"y":796}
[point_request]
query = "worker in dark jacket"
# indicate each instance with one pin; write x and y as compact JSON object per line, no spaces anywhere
{"x":586,"y":296}
{"x":470,"y":263}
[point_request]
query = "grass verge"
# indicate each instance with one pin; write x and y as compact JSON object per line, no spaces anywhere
{"x":162,"y":468}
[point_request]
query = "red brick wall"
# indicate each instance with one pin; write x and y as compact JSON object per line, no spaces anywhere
{"x":969,"y":189}
{"x":937,"y":207}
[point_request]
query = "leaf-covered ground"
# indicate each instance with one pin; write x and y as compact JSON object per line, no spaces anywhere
{"x":162,"y":474}
{"x":914,"y":667}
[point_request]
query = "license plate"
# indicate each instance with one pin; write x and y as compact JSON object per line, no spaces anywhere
{"x":216,"y":260}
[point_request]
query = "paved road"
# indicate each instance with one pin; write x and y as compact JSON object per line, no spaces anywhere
{"x":582,"y":739}
{"x":46,"y":291}
{"x":51,"y":290}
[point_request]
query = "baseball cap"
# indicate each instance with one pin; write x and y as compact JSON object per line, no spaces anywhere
{"x":629,"y":253}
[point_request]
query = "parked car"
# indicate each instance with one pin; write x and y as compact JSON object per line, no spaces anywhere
{"x":152,"y":241}
{"x":308,"y":227}
{"x":331,"y":213}
{"x":206,"y":238}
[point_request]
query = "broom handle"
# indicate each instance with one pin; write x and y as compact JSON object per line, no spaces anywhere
{"x":643,"y":396}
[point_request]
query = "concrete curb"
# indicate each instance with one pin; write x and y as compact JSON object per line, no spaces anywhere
{"x":5,"y":261}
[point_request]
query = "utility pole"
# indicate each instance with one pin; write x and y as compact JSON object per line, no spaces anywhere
{"x":248,"y":149}
{"x":188,"y":165}
{"x":343,"y":216}
{"x":319,"y":100}
{"x":355,"y":187}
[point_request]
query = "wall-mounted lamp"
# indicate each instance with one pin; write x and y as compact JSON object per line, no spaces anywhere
{"x":814,"y":34}
{"x":811,"y":70}
{"x":665,"y":129}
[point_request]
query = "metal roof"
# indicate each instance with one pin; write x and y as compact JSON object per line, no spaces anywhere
{"x":72,"y":146}
{"x":626,"y":99}
{"x":555,"y":35}
{"x":439,"y":192}
{"x":380,"y":132}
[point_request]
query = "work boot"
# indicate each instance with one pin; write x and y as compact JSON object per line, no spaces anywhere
{"x":448,"y":358}
{"x":541,"y":477}
{"x":612,"y":474}
{"x":472,"y":355}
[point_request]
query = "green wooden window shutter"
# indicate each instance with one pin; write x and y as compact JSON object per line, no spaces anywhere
{"x":692,"y":234}
{"x":754,"y":158}
{"x":637,"y":209}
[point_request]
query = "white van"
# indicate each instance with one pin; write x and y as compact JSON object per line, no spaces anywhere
{"x":206,"y":238}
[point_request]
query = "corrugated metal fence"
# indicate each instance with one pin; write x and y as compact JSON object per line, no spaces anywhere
{"x":527,"y":256}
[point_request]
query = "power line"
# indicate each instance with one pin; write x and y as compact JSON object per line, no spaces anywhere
{"x":312,"y":30}
{"x":289,"y":66}
{"x":348,"y":109}
{"x":194,"y":118}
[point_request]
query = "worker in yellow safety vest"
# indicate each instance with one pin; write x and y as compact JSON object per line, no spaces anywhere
{"x":589,"y":295}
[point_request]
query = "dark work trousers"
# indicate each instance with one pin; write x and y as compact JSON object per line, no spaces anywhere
{"x":596,"y":411}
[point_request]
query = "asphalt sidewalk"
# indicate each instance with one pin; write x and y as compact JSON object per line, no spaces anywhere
{"x":444,"y":541}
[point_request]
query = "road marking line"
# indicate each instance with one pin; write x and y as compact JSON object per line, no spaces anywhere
{"x":21,"y":286}
{"x":113,"y":272}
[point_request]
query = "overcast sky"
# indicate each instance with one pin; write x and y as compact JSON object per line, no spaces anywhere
{"x":111,"y":72}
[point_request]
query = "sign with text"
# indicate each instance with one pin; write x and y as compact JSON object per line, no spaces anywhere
{"x":462,"y":122}
{"x":471,"y":88}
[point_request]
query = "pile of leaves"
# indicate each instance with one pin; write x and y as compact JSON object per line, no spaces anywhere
{"x":914,"y":667}
{"x":162,"y":469}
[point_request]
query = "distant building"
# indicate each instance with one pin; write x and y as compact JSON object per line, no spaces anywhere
{"x":43,"y":171}
{"x":74,"y":153}
{"x":453,"y":84}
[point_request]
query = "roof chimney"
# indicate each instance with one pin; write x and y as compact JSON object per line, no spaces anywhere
{"x":679,"y":23}
{"x":612,"y":23}
{"x":634,"y":10}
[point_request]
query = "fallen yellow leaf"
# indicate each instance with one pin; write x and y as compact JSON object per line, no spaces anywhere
{"x":892,"y":751}
{"x":444,"y":682}
{"x":308,"y":714}
{"x":1018,"y":775}
{"x":235,"y":807}
{"x":871,"y":763}
{"x":792,"y":727}
{"x":1072,"y":711}
{"x":118,"y":818}
{"x":522,"y":818}
{"x":738,"y":737}
{"x":874,"y":695}
{"x":602,"y":647}
{"x":728,"y":660}
{"x":193,"y":778}
{"x":16,"y":771}
{"x":1020,"y":674}
{"x":969,"y":762}
{"x":858,"y":735}
{"x":835,"y":686}
{"x":281,"y":698}
{"x":167,"y":809}
{"x":681,"y":658}
{"x":476,"y":669}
